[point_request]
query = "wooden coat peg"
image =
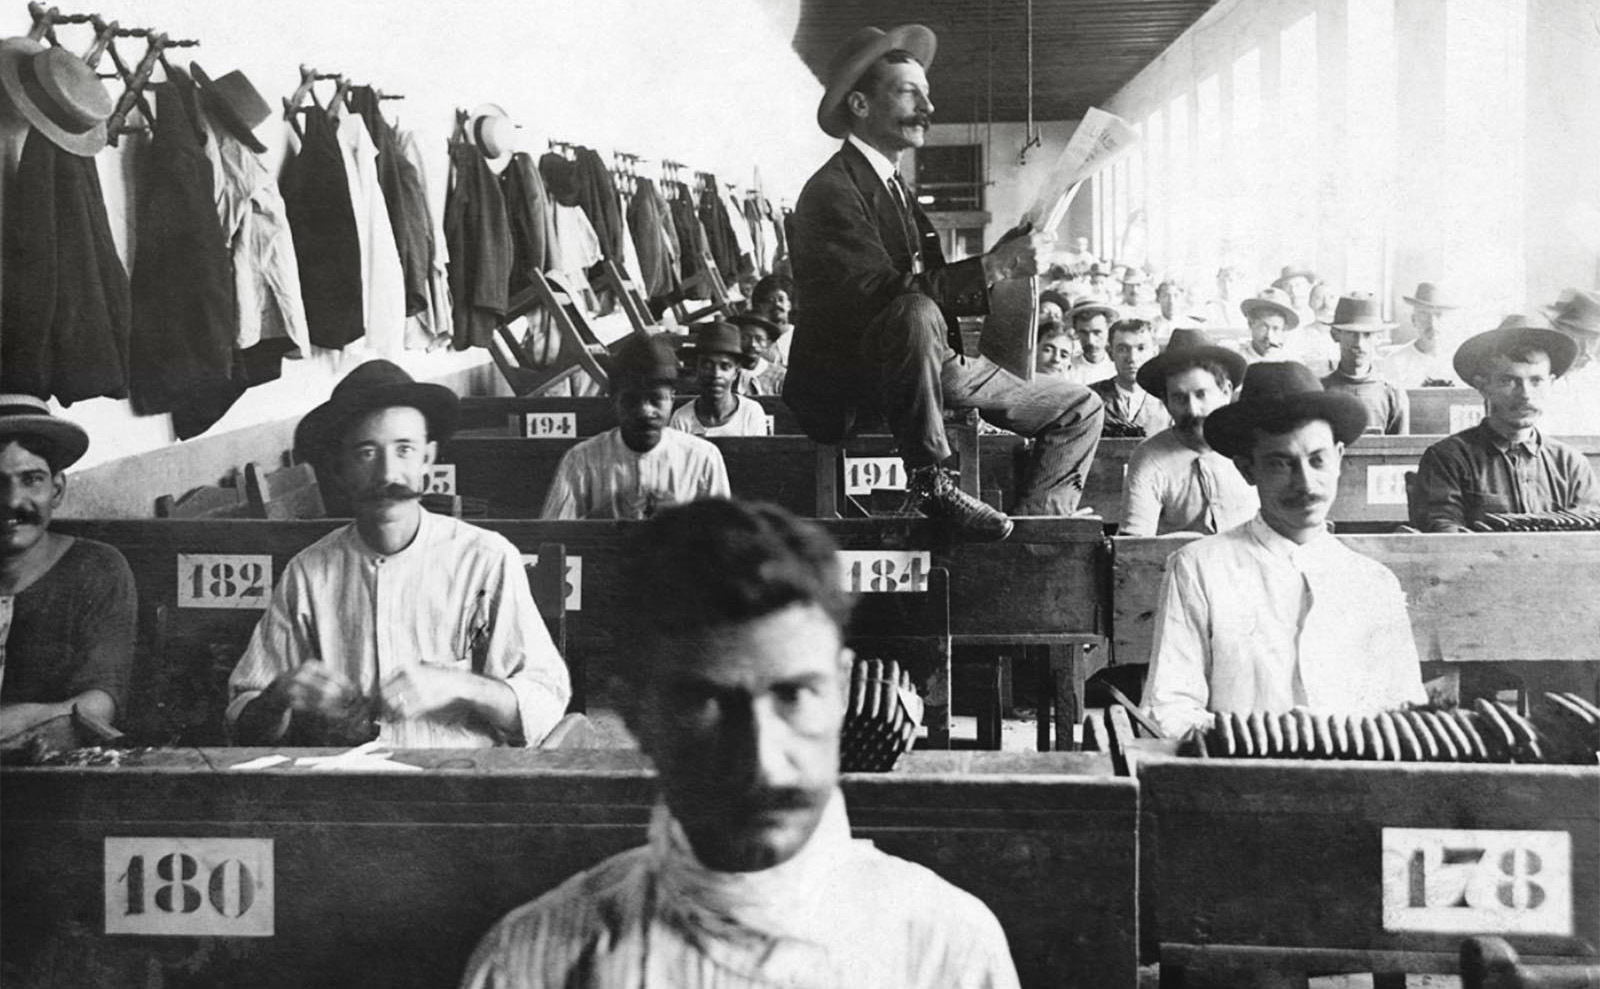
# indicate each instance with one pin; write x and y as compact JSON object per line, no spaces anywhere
{"x":134,"y":83}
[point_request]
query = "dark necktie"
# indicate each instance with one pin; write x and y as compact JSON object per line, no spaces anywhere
{"x":908,"y":222}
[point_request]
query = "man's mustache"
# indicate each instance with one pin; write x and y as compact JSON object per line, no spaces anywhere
{"x":25,"y":516}
{"x":388,"y":492}
{"x":918,"y":120}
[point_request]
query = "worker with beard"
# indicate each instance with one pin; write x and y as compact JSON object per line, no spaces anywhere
{"x":877,"y":308}
{"x":1278,"y":614}
{"x":737,"y":691}
{"x":67,"y":604}
{"x":641,"y":465}
{"x":1175,"y":481}
{"x":1505,"y":463}
{"x":412,"y":628}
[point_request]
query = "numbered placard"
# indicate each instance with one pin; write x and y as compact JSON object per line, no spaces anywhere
{"x":441,"y":480}
{"x":1465,"y":416}
{"x":550,"y":425}
{"x":574,"y":581}
{"x":772,"y":425}
{"x":885,"y":571}
{"x":217,"y":580}
{"x":1444,"y":881}
{"x":862,"y":474}
{"x":1386,"y":483}
{"x":183,"y":887}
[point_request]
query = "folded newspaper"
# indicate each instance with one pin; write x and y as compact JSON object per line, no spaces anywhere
{"x":1101,"y":138}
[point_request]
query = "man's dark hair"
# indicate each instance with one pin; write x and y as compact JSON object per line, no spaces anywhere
{"x":1129,"y":326}
{"x":1053,"y":328}
{"x":1084,"y":316}
{"x":1218,"y":372}
{"x":40,"y":446}
{"x":870,"y":78}
{"x":726,"y":562}
{"x":1521,"y":352}
{"x":768,"y":288}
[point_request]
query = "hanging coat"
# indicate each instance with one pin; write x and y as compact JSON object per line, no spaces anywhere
{"x":316,"y":191}
{"x":66,"y":318}
{"x":479,"y":238}
{"x":404,"y":198}
{"x":184,"y":320}
{"x":434,"y":325}
{"x":597,"y":194}
{"x":648,"y":217}
{"x":532,"y":219}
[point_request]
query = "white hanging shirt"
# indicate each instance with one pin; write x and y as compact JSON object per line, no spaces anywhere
{"x":383,"y":286}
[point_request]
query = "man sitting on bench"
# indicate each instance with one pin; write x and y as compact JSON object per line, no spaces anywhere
{"x":1277,"y":614}
{"x":1175,"y":482}
{"x":410,"y":626}
{"x":750,"y":877}
{"x":67,"y":604}
{"x":641,"y":465}
{"x":719,"y":410}
{"x":1504,"y":463}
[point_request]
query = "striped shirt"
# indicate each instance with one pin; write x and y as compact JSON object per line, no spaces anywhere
{"x":839,"y":913}
{"x":457,"y":596}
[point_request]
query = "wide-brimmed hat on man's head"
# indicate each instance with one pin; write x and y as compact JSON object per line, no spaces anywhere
{"x":1578,"y":312}
{"x":1359,"y":311}
{"x":1289,"y":272}
{"x":374,"y":385}
{"x":1059,"y":298}
{"x":1091,"y":309}
{"x":28,"y":415}
{"x":856,"y":56}
{"x":1515,"y":331}
{"x":1275,"y":396}
{"x":57,"y":93}
{"x":643,"y":362}
{"x":719,"y":338}
{"x":1271,"y":302}
{"x":1431,"y":295}
{"x":1185,"y":349}
{"x":235,"y":103}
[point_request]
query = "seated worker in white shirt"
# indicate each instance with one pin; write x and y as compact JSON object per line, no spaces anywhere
{"x":750,"y":876}
{"x":417,"y":625}
{"x":719,"y":409}
{"x":1277,"y":613}
{"x":1091,"y":324}
{"x":1425,"y":361}
{"x":1175,"y":481}
{"x":641,"y":465}
{"x":761,"y":373}
{"x":1131,"y":412}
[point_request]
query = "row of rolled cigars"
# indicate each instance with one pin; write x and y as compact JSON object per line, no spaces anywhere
{"x":1560,"y":729}
{"x":881,"y":721}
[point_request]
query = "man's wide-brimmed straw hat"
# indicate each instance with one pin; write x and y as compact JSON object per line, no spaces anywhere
{"x":1515,"y":330}
{"x":1430,"y":295}
{"x":1277,"y":394}
{"x":855,"y":56}
{"x":1289,"y":272}
{"x":1188,"y":348}
{"x":1576,"y":313}
{"x":1091,"y":309}
{"x":31,"y":416}
{"x":57,"y":93}
{"x":1271,"y":301}
{"x":374,"y":385}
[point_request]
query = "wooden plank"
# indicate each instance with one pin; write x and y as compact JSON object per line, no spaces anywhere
{"x":593,"y":415}
{"x":389,"y":879}
{"x":1469,"y":594}
{"x":1289,"y":855}
{"x":1441,"y":411}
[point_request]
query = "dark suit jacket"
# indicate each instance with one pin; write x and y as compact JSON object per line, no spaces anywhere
{"x":852,"y":256}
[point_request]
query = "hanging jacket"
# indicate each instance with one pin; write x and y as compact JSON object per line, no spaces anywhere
{"x":648,"y":217}
{"x":184,"y":320}
{"x":597,"y":194}
{"x":433,"y":325}
{"x":66,"y":318}
{"x":404,"y":198}
{"x":479,"y":238}
{"x":531,"y":217}
{"x":317,"y":194}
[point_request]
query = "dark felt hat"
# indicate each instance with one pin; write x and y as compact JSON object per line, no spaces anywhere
{"x":644,"y":361}
{"x":1059,"y":298}
{"x":718,"y":338}
{"x":31,"y":416}
{"x":1515,"y":330}
{"x":855,"y":56}
{"x":751,"y":319}
{"x":1278,"y":393}
{"x":235,"y":103}
{"x":57,"y":93}
{"x":374,"y":385}
{"x":1359,"y":311}
{"x":560,"y":176}
{"x":1188,"y":348}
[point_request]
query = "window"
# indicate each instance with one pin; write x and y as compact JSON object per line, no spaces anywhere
{"x":1371,"y":116}
{"x":950,"y":178}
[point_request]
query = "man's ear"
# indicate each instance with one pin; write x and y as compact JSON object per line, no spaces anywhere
{"x":58,"y":488}
{"x":856,"y":102}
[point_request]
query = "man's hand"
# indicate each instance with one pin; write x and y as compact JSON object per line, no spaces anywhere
{"x":429,"y":689}
{"x":311,"y":687}
{"x":1018,"y":255}
{"x":18,"y":718}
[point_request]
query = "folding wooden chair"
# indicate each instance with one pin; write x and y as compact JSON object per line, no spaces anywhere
{"x":288,"y":493}
{"x":708,"y":277}
{"x":913,"y":629}
{"x":205,"y":502}
{"x":607,"y":276}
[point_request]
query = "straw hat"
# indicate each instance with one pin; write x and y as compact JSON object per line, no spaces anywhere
{"x":855,"y":56}
{"x":31,"y":416}
{"x":57,"y":94}
{"x":1271,"y":301}
{"x":1430,"y":295}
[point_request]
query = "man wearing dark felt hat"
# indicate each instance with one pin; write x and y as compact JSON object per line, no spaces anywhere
{"x":720,"y":409}
{"x":642,"y":464}
{"x":1276,"y":613}
{"x":877,"y":304}
{"x":407,"y":626}
{"x":67,"y":604}
{"x":1505,"y":463}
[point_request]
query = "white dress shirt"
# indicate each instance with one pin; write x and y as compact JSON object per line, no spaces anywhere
{"x":1172,"y":487}
{"x":1087,"y":373}
{"x":1251,"y":621}
{"x":748,"y":419}
{"x":1407,"y":367}
{"x":603,"y":478}
{"x":838,"y":914}
{"x":383,"y":284}
{"x":457,"y":596}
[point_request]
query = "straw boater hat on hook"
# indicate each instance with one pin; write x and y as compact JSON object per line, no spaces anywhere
{"x":492,"y":130}
{"x":855,"y":56}
{"x":57,"y":93}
